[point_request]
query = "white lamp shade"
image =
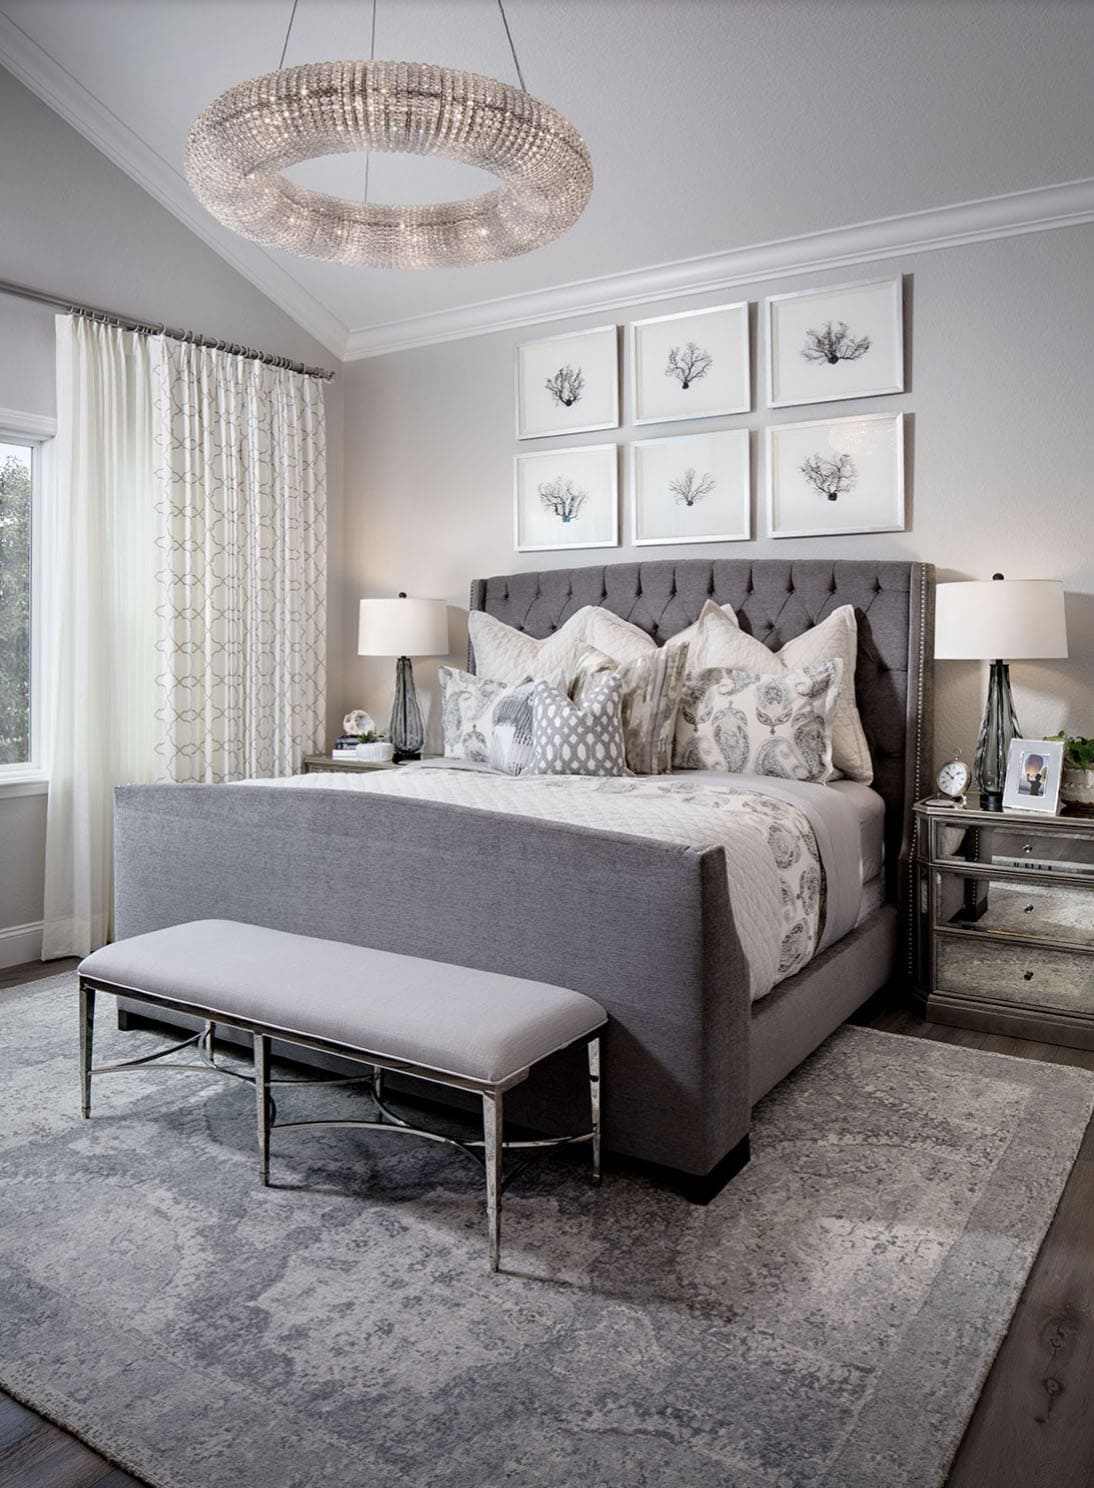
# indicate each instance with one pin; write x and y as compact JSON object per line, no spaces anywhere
{"x":1000,"y":619}
{"x":402,"y":627}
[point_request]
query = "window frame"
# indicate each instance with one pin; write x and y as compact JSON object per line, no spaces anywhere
{"x":31,"y":777}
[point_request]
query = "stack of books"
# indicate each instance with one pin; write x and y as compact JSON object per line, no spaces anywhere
{"x":345,"y":748}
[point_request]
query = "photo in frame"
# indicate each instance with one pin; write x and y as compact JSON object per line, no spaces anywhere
{"x":834,"y":476}
{"x":693,"y":488}
{"x":691,"y":365}
{"x":568,"y":384}
{"x":567,"y":498}
{"x":1034,"y":772}
{"x":843,"y":342}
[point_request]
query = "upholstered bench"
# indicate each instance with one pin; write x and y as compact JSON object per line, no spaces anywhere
{"x":475,"y":1030}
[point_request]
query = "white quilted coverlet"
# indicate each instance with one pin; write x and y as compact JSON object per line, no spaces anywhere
{"x":778,"y":923}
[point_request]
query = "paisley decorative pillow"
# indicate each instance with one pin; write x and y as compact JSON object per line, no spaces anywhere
{"x":748,"y":723}
{"x":578,"y":740}
{"x":486,"y":722}
{"x":651,"y":698}
{"x":716,"y":640}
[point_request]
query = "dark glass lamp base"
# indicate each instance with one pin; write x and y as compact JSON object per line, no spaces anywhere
{"x":991,"y":800}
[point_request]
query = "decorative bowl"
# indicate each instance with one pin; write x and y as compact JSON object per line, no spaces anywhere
{"x":379,"y":753}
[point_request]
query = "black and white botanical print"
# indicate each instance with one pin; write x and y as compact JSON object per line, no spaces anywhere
{"x":833,"y":344}
{"x":566,"y":386}
{"x":689,"y":488}
{"x":688,"y":363}
{"x":562,"y":498}
{"x":831,"y":476}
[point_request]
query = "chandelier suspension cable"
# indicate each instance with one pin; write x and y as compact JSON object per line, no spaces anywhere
{"x":371,"y":58}
{"x":512,"y":48}
{"x":288,"y":33}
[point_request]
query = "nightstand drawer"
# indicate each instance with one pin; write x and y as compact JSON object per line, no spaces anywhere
{"x":1015,"y":976}
{"x":1001,"y":907}
{"x":1017,"y":845}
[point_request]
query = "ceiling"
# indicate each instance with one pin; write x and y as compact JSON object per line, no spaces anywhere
{"x":713,"y":124}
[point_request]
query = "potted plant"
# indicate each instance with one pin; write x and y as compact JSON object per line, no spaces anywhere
{"x":373,"y":749}
{"x":1077,"y":784}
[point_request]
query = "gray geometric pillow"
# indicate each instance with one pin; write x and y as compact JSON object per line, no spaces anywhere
{"x":651,"y":698}
{"x":488,"y":723}
{"x":750,"y":724}
{"x":569,"y":739}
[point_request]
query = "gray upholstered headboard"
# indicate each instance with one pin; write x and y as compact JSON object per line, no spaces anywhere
{"x":774,"y":599}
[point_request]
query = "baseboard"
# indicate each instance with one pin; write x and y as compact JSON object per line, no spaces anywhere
{"x":19,"y":943}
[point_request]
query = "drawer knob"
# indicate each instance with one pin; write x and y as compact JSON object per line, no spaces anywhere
{"x":1027,"y":976}
{"x":1028,"y":909}
{"x":1028,"y":848}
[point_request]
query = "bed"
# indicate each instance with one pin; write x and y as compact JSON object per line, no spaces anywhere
{"x":644,"y":923}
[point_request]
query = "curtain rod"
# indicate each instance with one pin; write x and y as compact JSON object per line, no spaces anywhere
{"x":147,"y":328}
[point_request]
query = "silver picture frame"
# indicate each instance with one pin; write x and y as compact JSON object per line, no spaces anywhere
{"x":855,"y":485}
{"x":669,"y":504}
{"x":589,"y":356}
{"x":662,"y":394}
{"x":546,"y":486}
{"x":815,"y":343}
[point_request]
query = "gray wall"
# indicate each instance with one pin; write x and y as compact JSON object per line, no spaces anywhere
{"x":76,"y":226}
{"x":1001,"y":455}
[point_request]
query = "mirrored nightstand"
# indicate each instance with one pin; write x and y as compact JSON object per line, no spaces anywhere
{"x":1005,"y":922}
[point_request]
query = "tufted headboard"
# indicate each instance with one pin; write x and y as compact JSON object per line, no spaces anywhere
{"x":775,"y":599}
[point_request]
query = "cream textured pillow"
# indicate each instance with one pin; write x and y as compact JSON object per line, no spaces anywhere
{"x":748,"y":723}
{"x":617,"y":638}
{"x":504,"y":654}
{"x":716,"y":640}
{"x":651,"y":699}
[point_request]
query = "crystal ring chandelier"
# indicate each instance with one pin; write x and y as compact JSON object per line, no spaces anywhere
{"x":239,"y":146}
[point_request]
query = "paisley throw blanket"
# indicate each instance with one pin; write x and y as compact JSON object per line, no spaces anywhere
{"x":776,"y":876}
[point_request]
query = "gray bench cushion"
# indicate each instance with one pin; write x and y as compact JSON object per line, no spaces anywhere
{"x":476,"y":1024}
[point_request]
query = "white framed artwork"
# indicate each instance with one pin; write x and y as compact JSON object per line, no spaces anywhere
{"x":846,"y":341}
{"x":693,"y":488}
{"x":691,"y":365}
{"x":567,"y":498}
{"x":568,"y":384}
{"x":832,"y":476}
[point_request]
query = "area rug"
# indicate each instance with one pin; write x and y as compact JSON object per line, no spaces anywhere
{"x":828,"y":1320}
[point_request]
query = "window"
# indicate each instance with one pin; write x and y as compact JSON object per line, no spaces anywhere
{"x":21,"y":683}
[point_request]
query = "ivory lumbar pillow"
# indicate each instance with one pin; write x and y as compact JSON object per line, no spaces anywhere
{"x":651,"y":699}
{"x":505,"y":654}
{"x":716,"y":640}
{"x":749,"y":723}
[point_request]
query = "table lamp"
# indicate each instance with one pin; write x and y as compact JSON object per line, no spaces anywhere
{"x":1021,"y":619}
{"x":404,"y":628}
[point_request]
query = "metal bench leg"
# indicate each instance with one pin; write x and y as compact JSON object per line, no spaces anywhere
{"x":594,"y":1103}
{"x":262,"y":1095}
{"x":492,"y":1152}
{"x":87,"y":1034}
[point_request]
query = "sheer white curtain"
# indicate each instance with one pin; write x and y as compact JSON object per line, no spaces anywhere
{"x":188,"y":559}
{"x":100,"y":542}
{"x":241,"y":509}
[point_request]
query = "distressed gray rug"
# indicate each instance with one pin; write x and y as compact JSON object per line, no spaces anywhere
{"x":828,"y":1320}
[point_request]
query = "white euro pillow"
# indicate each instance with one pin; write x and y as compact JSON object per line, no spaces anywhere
{"x":505,"y":654}
{"x":716,"y":640}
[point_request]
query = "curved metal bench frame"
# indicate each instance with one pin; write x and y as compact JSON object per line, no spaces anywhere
{"x":488,"y":1151}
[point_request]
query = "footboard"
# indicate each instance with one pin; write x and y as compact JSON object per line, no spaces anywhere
{"x":642,"y":926}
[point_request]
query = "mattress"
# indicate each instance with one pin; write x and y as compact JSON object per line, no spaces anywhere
{"x":783,"y":840}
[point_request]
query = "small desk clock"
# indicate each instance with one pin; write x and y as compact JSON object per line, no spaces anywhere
{"x":953,"y":783}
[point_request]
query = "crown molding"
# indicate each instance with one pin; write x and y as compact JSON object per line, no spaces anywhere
{"x":55,"y":86}
{"x":1037,"y":210}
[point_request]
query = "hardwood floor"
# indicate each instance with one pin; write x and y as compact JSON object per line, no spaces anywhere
{"x":1031,"y":1427}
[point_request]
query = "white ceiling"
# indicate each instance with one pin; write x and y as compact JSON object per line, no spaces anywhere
{"x":713,"y":124}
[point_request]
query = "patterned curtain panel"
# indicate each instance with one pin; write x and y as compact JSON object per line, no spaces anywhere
{"x":240,"y":495}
